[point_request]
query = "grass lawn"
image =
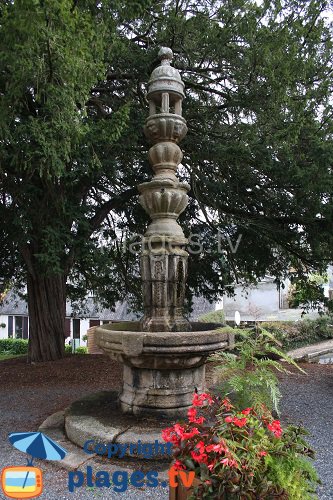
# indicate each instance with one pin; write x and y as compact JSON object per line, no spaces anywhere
{"x":10,"y":356}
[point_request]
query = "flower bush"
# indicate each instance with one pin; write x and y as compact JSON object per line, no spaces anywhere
{"x":241,"y":453}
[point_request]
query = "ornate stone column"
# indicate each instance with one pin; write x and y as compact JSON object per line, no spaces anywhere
{"x":164,"y":258}
{"x":163,"y":355}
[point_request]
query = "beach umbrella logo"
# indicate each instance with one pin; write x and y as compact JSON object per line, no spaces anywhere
{"x":37,"y":445}
{"x":27,"y":482}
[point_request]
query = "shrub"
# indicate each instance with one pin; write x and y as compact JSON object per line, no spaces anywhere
{"x":213,"y":317}
{"x":81,"y":350}
{"x":13,"y":346}
{"x":299,"y":333}
{"x":78,"y":350}
{"x":241,"y":453}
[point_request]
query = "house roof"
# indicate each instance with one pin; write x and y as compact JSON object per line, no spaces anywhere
{"x":13,"y":304}
{"x":16,"y":306}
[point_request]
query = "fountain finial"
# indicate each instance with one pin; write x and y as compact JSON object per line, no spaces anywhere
{"x":165,"y":55}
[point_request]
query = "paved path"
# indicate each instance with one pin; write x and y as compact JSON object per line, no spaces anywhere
{"x":278,"y":315}
{"x":311,"y":351}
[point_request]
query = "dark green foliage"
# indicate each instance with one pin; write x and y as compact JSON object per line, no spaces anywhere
{"x":13,"y":346}
{"x":258,"y":153}
{"x":213,"y":317}
{"x":78,"y":350}
{"x":301,"y":333}
{"x":250,"y":374}
{"x":81,"y":350}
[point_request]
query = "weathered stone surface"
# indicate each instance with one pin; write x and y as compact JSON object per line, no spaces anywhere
{"x":54,"y":421}
{"x":161,"y":392}
{"x":98,"y":419}
{"x":164,"y":358}
{"x":83,"y":422}
{"x":164,"y":198}
{"x":162,"y":378}
{"x":165,"y":158}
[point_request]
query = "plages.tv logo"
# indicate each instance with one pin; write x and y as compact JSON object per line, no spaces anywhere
{"x":27,"y":481}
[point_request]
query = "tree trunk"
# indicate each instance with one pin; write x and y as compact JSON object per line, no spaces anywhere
{"x":47,"y":311}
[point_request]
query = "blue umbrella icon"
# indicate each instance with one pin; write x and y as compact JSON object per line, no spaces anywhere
{"x":38,"y":445}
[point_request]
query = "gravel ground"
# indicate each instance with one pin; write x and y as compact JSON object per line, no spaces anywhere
{"x":308,"y":400}
{"x":28,"y":394}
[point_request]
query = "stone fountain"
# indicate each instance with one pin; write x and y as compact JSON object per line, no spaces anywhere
{"x":163,"y":355}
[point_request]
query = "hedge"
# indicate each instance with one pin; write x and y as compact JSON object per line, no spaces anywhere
{"x":13,"y":346}
{"x":294,"y":334}
{"x":213,"y":317}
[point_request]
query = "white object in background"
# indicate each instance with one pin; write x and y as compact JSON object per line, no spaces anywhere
{"x":237,"y":318}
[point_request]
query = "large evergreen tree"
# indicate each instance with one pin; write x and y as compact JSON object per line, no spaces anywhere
{"x":258,"y":153}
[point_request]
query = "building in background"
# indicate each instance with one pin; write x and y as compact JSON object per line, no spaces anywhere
{"x":14,"y":316}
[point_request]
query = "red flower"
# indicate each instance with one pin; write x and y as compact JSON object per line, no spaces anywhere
{"x":192,"y":416}
{"x":229,"y":462}
{"x":193,"y":432}
{"x":200,"y":399}
{"x":275,"y":427}
{"x":178,"y":465}
{"x":218,"y":448}
{"x":239,"y":422}
{"x":262,"y":453}
{"x":212,"y":465}
{"x":246,"y":411}
{"x":199,"y":457}
{"x":226,"y":403}
{"x":201,"y":446}
{"x":169,"y":436}
{"x":179,"y":430}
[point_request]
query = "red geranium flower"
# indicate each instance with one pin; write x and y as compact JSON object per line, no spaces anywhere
{"x":178,"y":465}
{"x":218,"y":448}
{"x":239,"y":422}
{"x":192,"y":416}
{"x":227,"y":405}
{"x":275,"y":427}
{"x":200,"y":399}
{"x":199,"y":457}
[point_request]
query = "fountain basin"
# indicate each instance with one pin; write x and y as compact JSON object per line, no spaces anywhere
{"x":162,"y":370}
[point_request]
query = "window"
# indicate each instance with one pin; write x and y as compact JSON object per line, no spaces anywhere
{"x":67,"y":328}
{"x":76,"y":328}
{"x":10,"y":326}
{"x":25,"y":326}
{"x":18,"y":327}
